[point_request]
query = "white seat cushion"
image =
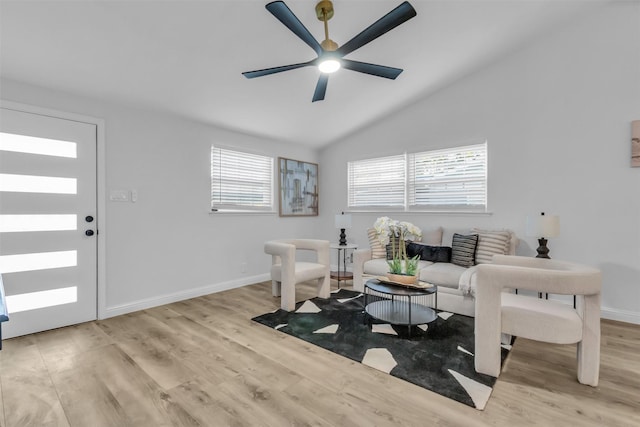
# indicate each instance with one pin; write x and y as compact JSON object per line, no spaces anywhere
{"x":443,"y":274}
{"x":304,"y":271}
{"x":540,"y":319}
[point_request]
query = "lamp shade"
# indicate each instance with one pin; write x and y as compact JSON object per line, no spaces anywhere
{"x":343,"y":221}
{"x":543,"y":226}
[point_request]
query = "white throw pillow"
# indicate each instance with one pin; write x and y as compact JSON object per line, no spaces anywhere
{"x":491,"y":243}
{"x":377,"y":250}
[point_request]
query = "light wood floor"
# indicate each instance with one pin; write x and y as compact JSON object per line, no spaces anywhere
{"x":203,"y":362}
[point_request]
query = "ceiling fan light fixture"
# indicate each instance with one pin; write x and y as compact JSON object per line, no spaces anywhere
{"x":329,"y":66}
{"x":330,"y":56}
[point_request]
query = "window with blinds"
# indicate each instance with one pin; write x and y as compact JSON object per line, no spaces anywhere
{"x":377,"y":183}
{"x":241,"y":181}
{"x":453,"y":179}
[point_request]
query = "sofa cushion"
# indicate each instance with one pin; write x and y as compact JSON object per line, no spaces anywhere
{"x":447,"y":235}
{"x":428,"y":252}
{"x":463,"y":249}
{"x":379,"y":267}
{"x":377,"y":250}
{"x":443,"y":274}
{"x":432,"y":236}
{"x":491,"y":243}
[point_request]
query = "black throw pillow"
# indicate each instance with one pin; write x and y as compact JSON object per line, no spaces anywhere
{"x":429,"y":253}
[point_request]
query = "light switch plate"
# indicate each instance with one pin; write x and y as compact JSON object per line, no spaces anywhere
{"x":119,"y":195}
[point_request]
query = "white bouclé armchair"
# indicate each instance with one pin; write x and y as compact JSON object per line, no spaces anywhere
{"x":287,"y":272}
{"x":537,"y":319}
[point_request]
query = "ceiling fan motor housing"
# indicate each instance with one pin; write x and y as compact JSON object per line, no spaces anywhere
{"x":324,"y":10}
{"x":329,"y":45}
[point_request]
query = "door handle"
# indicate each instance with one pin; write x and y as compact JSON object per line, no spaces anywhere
{"x":88,"y":218}
{"x":89,"y":232}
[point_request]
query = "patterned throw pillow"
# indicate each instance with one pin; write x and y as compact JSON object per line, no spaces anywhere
{"x":463,"y":249}
{"x":377,"y":250}
{"x":491,"y":243}
{"x":389,"y":248}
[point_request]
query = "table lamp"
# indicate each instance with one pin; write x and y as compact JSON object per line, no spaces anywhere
{"x":343,"y":222}
{"x":542,"y":227}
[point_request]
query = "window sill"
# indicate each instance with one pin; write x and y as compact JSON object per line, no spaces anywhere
{"x":417,"y":212}
{"x":232,"y":212}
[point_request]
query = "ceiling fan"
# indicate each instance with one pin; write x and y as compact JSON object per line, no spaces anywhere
{"x":331,"y":57}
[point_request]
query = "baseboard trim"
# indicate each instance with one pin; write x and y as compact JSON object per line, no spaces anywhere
{"x":181,"y":296}
{"x":620,"y":315}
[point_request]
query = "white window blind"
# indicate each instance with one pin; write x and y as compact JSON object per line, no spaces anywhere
{"x":451,"y":179}
{"x":241,"y":181}
{"x":377,"y":183}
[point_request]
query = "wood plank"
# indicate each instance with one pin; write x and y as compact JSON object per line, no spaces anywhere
{"x":263,"y":405}
{"x":32,"y":399}
{"x":59,"y":346}
{"x":149,"y":343}
{"x":201,"y":400}
{"x":123,"y":389}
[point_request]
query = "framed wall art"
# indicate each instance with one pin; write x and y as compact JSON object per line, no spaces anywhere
{"x":635,"y":144}
{"x":298,"y":187}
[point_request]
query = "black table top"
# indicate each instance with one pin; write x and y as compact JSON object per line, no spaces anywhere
{"x":390,"y":289}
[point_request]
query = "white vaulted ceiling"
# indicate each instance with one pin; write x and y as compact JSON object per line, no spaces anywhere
{"x":186,"y":57}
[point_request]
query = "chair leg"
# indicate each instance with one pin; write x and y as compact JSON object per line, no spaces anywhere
{"x":589,"y":348}
{"x":488,"y":327}
{"x":276,"y":288}
{"x":324,"y":287}
{"x":288,"y":298}
{"x":589,"y":361}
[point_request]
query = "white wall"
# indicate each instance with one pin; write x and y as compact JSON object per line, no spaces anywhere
{"x":557,"y":118}
{"x":167,"y":246}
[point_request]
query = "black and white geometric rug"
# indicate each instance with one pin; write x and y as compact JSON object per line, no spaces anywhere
{"x":437,"y":356}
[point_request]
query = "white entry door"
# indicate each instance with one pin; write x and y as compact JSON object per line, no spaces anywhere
{"x":48,"y":224}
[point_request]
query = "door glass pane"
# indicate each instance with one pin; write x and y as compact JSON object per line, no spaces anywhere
{"x":33,"y":145}
{"x":37,"y":261}
{"x":19,"y":223}
{"x":34,"y":300}
{"x":37,"y":184}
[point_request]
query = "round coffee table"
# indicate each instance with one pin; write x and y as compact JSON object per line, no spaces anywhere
{"x":400,"y":305}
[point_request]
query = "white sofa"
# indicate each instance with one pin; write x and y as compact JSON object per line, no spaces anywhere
{"x":454,"y":282}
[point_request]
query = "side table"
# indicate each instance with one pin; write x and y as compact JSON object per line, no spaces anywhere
{"x":342,"y":274}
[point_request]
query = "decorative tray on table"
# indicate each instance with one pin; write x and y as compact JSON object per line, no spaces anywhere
{"x":418,"y":285}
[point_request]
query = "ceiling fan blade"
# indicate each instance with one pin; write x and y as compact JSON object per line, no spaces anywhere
{"x":267,"y":71}
{"x":321,"y":87}
{"x":373,"y":69}
{"x":286,"y":16}
{"x":397,"y":16}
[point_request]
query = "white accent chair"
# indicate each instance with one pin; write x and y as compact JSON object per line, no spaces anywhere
{"x":286,"y":272}
{"x":537,"y":319}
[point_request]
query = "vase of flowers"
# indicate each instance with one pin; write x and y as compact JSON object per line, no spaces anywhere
{"x":401,"y":268}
